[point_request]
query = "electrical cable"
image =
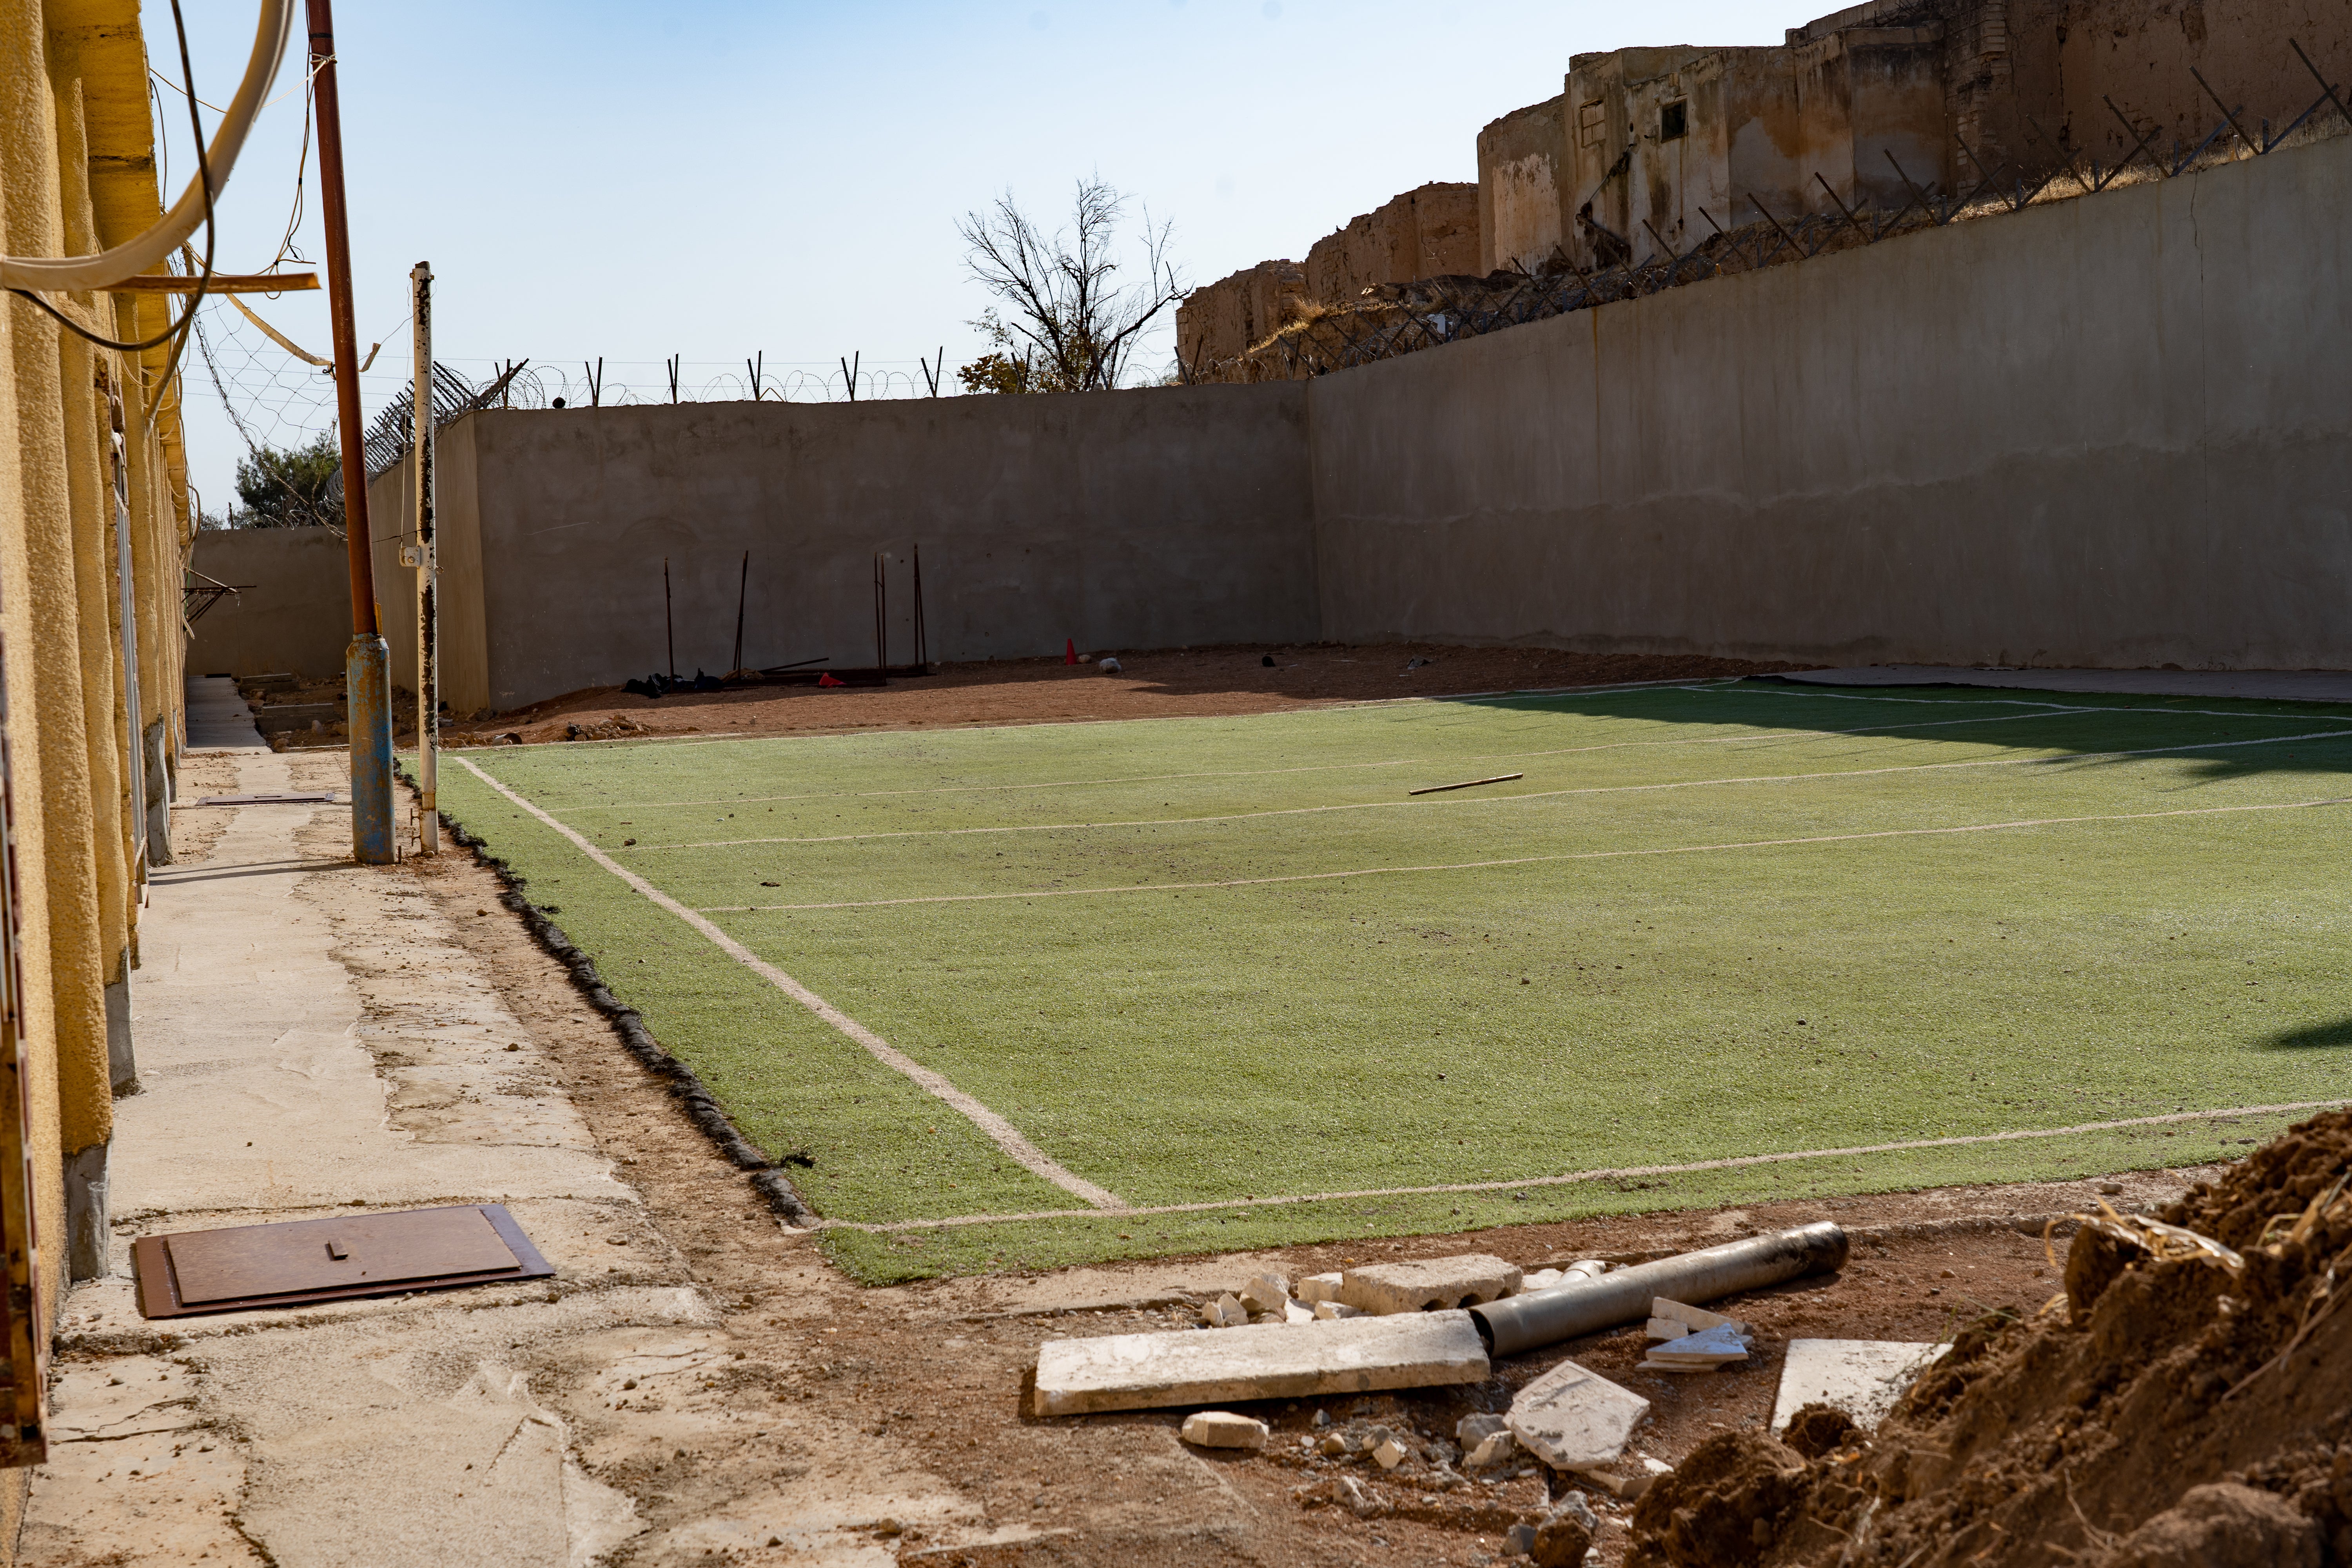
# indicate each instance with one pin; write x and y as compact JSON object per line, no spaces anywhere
{"x":70,"y":273}
{"x":175,"y":334}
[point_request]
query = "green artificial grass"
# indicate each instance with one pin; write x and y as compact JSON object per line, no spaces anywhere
{"x":1619,"y":960}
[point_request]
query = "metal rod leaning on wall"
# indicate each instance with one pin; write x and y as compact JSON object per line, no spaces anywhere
{"x":1542,"y":1318}
{"x":881,"y":631}
{"x":669,"y":623}
{"x":428,"y":642}
{"x":922,"y":633}
{"x":367,"y":662}
{"x":742,"y":594}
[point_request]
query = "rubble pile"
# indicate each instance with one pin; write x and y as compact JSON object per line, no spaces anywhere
{"x":2187,"y":1400}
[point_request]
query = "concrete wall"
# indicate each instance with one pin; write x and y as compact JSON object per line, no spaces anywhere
{"x":1221,"y":320}
{"x":1137,"y":518}
{"x":1430,"y":231}
{"x":2114,"y":431}
{"x":295,"y":613}
{"x":1521,"y":158}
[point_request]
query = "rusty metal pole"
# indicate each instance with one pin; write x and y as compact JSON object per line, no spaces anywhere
{"x":429,"y":627}
{"x":367,"y":663}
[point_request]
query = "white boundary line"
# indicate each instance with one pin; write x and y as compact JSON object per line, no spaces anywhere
{"x":1573,"y":1178}
{"x":1488,"y":801}
{"x":1003,"y":1134}
{"x":1530,"y":859}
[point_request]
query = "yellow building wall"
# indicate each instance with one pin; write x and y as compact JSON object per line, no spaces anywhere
{"x":78,"y":175}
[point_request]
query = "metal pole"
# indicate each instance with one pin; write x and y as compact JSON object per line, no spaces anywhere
{"x":429,"y":645}
{"x":669,"y":622}
{"x":742,"y":596}
{"x":367,"y":663}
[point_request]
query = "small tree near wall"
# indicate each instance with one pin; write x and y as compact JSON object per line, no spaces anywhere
{"x":1061,"y":323}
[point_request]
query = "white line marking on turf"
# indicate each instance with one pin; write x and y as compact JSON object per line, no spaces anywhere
{"x":1530,"y":859}
{"x":1573,"y":1178}
{"x":1001,"y":1132}
{"x":1470,"y":801}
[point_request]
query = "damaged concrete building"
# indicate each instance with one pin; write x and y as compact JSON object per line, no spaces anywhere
{"x":1651,"y":151}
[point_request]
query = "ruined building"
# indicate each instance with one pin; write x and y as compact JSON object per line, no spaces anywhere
{"x":1650,"y":150}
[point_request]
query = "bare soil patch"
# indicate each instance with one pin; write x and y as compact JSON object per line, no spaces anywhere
{"x":1166,"y":683}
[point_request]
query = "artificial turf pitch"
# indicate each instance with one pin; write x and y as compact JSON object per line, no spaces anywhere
{"x":1204,"y":964}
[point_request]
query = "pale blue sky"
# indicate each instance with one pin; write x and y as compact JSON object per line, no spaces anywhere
{"x":715,"y":180}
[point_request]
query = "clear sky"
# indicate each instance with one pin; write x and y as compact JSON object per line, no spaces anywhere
{"x":718,"y":179}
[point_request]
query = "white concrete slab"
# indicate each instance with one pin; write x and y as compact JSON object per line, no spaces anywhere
{"x":218,"y":719}
{"x":1575,"y":1419}
{"x":1861,"y":1377}
{"x":1429,"y":1283}
{"x":1262,"y":1361}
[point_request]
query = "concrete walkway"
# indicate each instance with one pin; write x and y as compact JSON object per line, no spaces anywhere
{"x":312,"y":1039}
{"x":2274,"y":685}
{"x":219,"y":718}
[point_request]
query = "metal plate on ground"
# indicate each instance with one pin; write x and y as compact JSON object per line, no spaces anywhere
{"x":344,"y":1256}
{"x":320,"y":797}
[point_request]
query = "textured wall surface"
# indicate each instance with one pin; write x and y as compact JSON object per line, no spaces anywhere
{"x":2112,"y":431}
{"x":1140,"y":519}
{"x":294,"y":613}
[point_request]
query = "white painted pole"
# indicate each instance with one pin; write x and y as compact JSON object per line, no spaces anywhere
{"x":428,"y":651}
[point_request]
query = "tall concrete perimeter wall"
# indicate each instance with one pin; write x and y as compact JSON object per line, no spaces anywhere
{"x":294,"y":613}
{"x":2113,"y":431}
{"x":1134,"y":519}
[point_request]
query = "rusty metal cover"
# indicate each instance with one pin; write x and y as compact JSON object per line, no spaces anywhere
{"x":347,"y":1256}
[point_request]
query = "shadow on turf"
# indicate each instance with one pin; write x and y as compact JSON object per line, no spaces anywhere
{"x":2089,"y":734}
{"x":2317,"y":1037}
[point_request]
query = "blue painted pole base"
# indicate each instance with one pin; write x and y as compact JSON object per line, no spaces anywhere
{"x":367,"y":676}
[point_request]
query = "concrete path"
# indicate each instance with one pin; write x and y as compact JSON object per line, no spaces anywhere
{"x":2277,"y":685}
{"x":312,"y":1039}
{"x":218,"y":719}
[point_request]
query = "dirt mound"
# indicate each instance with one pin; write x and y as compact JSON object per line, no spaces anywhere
{"x":2188,"y":1401}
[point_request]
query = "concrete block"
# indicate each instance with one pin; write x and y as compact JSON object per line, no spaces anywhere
{"x":1319,"y":1288}
{"x":1495,"y":1449}
{"x":1431,"y":1284}
{"x":1627,"y":1478}
{"x":1223,"y":1429}
{"x":1665,"y":1329}
{"x":1861,"y":1377}
{"x":1266,"y":1293}
{"x":1573,"y":1418}
{"x":1268,"y":1360}
{"x":1292,"y":1312}
{"x":1224,"y":1312}
{"x":1332,"y":1311}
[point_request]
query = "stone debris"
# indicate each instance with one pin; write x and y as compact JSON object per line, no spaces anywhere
{"x":1565,"y":1534}
{"x":1108,"y":665}
{"x":1704,"y":1349}
{"x":1224,"y":1312}
{"x":1264,"y":1360}
{"x":1682,"y":1320}
{"x":1575,"y":1419}
{"x":1494,"y":1449}
{"x":1541,"y":1279}
{"x":1429,"y":1284}
{"x":1266,"y":1293}
{"x":1861,"y":1377}
{"x":1292,"y":1312}
{"x":1331,"y":1311}
{"x":1628,"y":1478}
{"x":1389,"y":1454}
{"x":1319,"y":1288}
{"x":1360,"y":1503}
{"x":1223,"y":1429}
{"x":1472,"y":1430}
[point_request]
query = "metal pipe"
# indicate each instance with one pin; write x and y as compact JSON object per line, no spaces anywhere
{"x":367,"y":663}
{"x":429,"y":583}
{"x":1540,"y":1318}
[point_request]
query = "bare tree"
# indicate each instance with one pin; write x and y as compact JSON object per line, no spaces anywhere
{"x":1065,"y":325}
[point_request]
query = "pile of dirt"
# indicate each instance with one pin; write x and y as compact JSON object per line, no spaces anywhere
{"x":2181,"y":1403}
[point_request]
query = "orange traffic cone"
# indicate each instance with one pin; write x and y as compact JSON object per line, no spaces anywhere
{"x":1070,"y":651}
{"x":827,"y":680}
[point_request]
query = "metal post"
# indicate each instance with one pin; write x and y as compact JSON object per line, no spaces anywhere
{"x":367,"y":663}
{"x":428,"y":643}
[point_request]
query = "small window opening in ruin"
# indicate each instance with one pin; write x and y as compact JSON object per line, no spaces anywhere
{"x":1674,"y":120}
{"x":1592,"y":124}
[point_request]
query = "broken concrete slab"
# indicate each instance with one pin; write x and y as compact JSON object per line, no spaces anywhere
{"x":1429,"y":1284}
{"x":1495,"y":1449}
{"x":1573,"y":1418}
{"x":1331,"y":1311}
{"x":1691,"y":1318}
{"x":1262,"y":1361}
{"x":1266,"y":1293}
{"x":1223,"y":1429}
{"x":1702,"y":1350}
{"x":1861,"y":1377}
{"x":1319,"y":1288}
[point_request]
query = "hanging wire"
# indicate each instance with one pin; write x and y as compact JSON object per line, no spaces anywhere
{"x":177,"y":332}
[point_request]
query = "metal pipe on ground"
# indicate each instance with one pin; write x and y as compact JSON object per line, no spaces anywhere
{"x":1540,"y":1318}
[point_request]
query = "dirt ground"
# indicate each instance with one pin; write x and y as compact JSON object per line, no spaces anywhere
{"x":852,"y":1390}
{"x":1162,"y":684}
